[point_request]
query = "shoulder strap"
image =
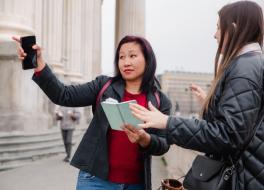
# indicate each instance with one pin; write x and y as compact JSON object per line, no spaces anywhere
{"x":157,"y":98}
{"x":103,"y":89}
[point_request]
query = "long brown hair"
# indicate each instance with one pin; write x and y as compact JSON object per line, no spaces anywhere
{"x":240,"y":23}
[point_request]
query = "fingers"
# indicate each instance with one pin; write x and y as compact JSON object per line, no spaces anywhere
{"x":137,"y":106}
{"x":138,"y":109}
{"x":132,"y":133}
{"x":144,"y":125}
{"x":151,"y":107}
{"x":36,"y":47}
{"x":140,"y":116}
{"x":20,"y":51}
{"x":131,"y":128}
{"x":195,"y":87}
{"x":16,"y":39}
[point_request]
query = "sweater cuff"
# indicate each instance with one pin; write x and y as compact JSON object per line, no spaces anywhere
{"x":40,"y":75}
{"x":151,"y":147}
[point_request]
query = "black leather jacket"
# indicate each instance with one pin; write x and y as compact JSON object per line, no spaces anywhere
{"x":92,"y":153}
{"x":230,"y":121}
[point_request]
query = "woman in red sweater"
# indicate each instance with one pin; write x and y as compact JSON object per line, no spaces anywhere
{"x":106,"y":158}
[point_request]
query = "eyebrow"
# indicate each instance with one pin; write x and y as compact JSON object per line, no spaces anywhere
{"x":130,"y":51}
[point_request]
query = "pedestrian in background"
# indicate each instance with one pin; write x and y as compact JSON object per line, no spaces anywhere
{"x":68,"y":118}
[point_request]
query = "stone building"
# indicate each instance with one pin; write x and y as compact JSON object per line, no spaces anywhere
{"x":176,"y":85}
{"x":70,"y":33}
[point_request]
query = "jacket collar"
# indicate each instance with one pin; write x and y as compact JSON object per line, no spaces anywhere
{"x":119,"y":88}
{"x":252,"y":47}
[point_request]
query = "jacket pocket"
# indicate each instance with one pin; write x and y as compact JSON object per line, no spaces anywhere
{"x":86,"y":153}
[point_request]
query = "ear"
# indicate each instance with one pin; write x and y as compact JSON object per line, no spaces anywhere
{"x":234,"y":25}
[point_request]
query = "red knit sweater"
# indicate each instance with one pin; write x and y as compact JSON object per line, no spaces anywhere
{"x":125,"y":159}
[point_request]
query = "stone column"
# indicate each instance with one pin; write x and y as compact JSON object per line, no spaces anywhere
{"x":90,"y":43}
{"x":88,"y":38}
{"x":97,"y":36}
{"x":21,"y":107}
{"x":130,"y":18}
{"x":52,"y":19}
{"x":73,"y":41}
{"x":16,"y":18}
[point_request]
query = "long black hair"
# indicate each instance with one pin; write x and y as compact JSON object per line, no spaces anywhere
{"x":149,"y":81}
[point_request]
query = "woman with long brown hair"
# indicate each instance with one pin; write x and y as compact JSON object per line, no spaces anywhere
{"x":232,"y":109}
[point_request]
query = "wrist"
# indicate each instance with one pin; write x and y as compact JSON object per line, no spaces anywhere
{"x":41,"y":65}
{"x":164,"y":120}
{"x":145,"y":140}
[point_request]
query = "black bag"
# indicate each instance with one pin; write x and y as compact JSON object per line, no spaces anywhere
{"x":210,"y":174}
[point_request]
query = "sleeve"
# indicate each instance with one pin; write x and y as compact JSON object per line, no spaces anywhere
{"x":235,"y":116}
{"x":68,"y":95}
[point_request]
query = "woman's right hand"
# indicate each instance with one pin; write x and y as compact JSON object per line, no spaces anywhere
{"x":199,"y":93}
{"x":21,"y":54}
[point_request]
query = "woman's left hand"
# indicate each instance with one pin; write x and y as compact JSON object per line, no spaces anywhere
{"x":136,"y":135}
{"x":152,"y":118}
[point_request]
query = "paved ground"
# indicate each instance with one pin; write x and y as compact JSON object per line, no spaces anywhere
{"x":54,"y":174}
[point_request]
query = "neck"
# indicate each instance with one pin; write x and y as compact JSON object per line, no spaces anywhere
{"x":133,"y":86}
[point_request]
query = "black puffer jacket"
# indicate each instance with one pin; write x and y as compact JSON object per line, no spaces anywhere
{"x":92,"y":153}
{"x":230,"y":121}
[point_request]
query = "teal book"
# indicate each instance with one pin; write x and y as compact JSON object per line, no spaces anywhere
{"x":119,"y":114}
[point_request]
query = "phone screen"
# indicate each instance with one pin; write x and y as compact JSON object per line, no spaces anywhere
{"x":30,"y":60}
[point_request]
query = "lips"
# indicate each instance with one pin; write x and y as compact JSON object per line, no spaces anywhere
{"x":128,"y":71}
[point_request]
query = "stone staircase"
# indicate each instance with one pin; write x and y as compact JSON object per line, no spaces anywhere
{"x":18,"y":149}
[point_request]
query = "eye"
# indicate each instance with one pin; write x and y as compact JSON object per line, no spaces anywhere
{"x":133,"y":55}
{"x":121,"y":57}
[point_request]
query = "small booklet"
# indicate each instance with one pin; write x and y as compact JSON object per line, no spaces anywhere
{"x":119,"y":114}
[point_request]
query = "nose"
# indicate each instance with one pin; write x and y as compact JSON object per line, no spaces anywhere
{"x":215,"y":36}
{"x":127,"y":62}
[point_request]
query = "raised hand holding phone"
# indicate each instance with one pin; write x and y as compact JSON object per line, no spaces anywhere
{"x":30,"y":60}
{"x":22,"y":54}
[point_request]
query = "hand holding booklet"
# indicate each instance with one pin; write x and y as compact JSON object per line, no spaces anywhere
{"x":119,"y":114}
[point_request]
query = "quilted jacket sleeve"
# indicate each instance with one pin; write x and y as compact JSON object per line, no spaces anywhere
{"x":235,"y":115}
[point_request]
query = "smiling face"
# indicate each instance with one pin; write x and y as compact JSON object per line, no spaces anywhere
{"x":131,"y":62}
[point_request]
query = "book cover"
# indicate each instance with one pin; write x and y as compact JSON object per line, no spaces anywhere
{"x":119,"y":114}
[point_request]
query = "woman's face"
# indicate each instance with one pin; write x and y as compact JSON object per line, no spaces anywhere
{"x":218,"y":33}
{"x":217,"y":36}
{"x":131,"y":62}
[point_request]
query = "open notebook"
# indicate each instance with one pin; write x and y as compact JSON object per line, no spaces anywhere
{"x":119,"y":114}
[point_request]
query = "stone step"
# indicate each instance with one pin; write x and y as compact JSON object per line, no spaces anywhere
{"x":9,"y":151}
{"x":18,"y":149}
{"x":22,"y":161}
{"x":34,"y":154}
{"x":15,"y":139}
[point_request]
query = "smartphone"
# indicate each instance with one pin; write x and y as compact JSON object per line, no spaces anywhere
{"x":30,"y":60}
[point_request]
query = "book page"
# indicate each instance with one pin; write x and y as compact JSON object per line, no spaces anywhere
{"x":113,"y":115}
{"x":126,"y":113}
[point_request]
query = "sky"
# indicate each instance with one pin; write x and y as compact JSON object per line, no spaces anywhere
{"x":181,"y":33}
